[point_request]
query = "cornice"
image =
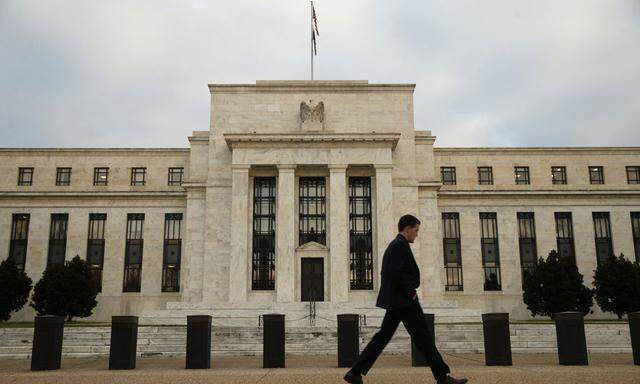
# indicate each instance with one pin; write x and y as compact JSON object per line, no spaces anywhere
{"x":473,"y":151}
{"x":391,"y":139}
{"x":98,"y":194}
{"x":572,"y":193}
{"x":305,"y":86}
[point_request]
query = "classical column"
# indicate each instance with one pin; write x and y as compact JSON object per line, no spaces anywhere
{"x":386,"y":228}
{"x":239,"y":233}
{"x":285,"y":236}
{"x":430,"y":254}
{"x":338,"y":233}
{"x":194,"y":244}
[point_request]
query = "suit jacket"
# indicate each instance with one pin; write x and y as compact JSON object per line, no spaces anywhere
{"x":400,"y":276}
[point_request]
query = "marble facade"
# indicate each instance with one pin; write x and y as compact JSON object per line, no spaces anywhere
{"x":258,"y":130}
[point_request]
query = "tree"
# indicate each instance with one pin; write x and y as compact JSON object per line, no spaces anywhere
{"x":15,"y":286}
{"x":65,"y":290}
{"x":617,"y":285}
{"x":555,"y":285}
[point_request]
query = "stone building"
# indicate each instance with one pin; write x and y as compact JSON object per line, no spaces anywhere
{"x":288,"y":201}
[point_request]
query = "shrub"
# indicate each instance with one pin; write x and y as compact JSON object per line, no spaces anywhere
{"x":15,"y":286}
{"x":617,"y":285}
{"x":555,"y":285}
{"x":65,"y":290}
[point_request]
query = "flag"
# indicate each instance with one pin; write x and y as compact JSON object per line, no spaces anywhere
{"x":313,"y":40}
{"x":314,"y":28}
{"x":315,"y":20}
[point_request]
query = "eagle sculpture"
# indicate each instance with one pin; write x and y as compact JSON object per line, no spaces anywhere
{"x":307,"y":113}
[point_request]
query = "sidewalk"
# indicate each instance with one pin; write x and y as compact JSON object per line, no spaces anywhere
{"x":530,"y":369}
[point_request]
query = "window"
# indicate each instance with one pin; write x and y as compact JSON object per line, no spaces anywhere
{"x":448,"y":175}
{"x":559,"y":175}
{"x":596,"y":175}
{"x":57,"y":238}
{"x":312,"y":210}
{"x":564,"y":236}
{"x":633,"y":175}
{"x":63,"y":176}
{"x":360,"y":236}
{"x":19,"y":238}
{"x":175,"y":176}
{"x":264,"y":233}
{"x":602,"y":228}
{"x":100,"y":176}
{"x":25,"y":176}
{"x":138,"y":176}
{"x":485,"y":175}
{"x":527,"y":243}
{"x":490,"y":251}
{"x":522,"y":175}
{"x":452,"y":250}
{"x":133,"y":253}
{"x":95,"y":246}
{"x":635,"y":228}
{"x":172,"y":252}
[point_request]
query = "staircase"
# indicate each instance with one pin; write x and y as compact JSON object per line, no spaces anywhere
{"x":299,"y":314}
{"x":318,"y":340}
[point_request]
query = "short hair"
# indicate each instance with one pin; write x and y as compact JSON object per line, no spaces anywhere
{"x":406,"y":221}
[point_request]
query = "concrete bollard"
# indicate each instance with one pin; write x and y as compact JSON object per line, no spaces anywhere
{"x":572,"y":343}
{"x":348,"y":339}
{"x":124,"y":342}
{"x":46,"y":353}
{"x":497,"y":339}
{"x":417,"y":358}
{"x":198,"y":342}
{"x":273,"y":341}
{"x":634,"y":332}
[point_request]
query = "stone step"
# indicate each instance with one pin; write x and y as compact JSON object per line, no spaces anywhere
{"x":450,"y":338}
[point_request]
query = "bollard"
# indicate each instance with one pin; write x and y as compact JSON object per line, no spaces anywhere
{"x":348,"y":339}
{"x":417,"y":358}
{"x":124,"y":341}
{"x":46,"y":353}
{"x":497,"y":340}
{"x":572,"y":344}
{"x":634,"y":333}
{"x":273,"y":341}
{"x":198,"y":342}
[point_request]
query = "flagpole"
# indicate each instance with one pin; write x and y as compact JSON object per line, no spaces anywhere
{"x":311,"y":45}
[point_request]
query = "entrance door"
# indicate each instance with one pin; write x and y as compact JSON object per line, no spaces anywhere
{"x":312,"y":279}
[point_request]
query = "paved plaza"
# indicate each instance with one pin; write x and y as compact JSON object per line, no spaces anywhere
{"x":529,"y":369}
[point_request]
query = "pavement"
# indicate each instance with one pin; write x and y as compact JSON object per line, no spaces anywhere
{"x":526,"y":368}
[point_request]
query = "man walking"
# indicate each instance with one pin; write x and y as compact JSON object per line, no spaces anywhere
{"x":400,"y":278}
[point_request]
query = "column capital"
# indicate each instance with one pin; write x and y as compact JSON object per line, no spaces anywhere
{"x":240,"y":167}
{"x":337,"y":167}
{"x":286,"y":167}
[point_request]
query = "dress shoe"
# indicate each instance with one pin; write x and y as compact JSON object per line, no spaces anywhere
{"x":451,"y":380}
{"x":353,"y":378}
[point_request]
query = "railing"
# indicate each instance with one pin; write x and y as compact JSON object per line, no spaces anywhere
{"x":312,"y":306}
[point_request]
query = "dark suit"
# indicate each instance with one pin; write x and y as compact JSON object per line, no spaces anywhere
{"x":400,"y":277}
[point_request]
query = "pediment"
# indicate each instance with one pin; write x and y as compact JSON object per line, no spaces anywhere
{"x":312,"y":246}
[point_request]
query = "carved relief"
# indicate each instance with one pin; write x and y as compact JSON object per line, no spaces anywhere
{"x":311,"y":119}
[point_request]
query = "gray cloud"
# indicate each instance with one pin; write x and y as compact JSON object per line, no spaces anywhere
{"x":488,"y":73}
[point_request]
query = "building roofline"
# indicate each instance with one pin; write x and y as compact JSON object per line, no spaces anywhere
{"x":84,"y":149}
{"x":535,"y":149}
{"x":310,"y":86}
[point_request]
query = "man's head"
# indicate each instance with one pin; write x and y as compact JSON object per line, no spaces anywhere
{"x":408,"y":226}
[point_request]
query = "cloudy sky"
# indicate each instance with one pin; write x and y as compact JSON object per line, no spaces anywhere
{"x":115,"y":73}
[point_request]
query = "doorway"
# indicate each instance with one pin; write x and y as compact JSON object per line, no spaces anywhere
{"x":312,"y":279}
